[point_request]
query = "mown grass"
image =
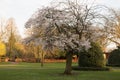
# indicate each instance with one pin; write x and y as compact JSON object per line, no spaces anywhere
{"x":51,"y":71}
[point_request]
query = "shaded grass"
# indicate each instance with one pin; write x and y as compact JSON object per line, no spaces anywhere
{"x":51,"y":71}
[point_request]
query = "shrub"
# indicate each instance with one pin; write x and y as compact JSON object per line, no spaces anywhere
{"x":114,"y":58}
{"x":92,"y":58}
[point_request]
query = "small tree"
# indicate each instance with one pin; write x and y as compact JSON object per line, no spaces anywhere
{"x":40,"y":54}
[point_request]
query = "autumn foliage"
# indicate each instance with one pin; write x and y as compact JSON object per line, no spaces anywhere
{"x":2,"y":49}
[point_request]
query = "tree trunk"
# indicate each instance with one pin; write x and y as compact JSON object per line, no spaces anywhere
{"x":68,"y":67}
{"x":42,"y":62}
{"x":42,"y":59}
{"x":0,"y":59}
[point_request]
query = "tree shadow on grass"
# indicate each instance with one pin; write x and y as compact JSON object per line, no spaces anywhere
{"x":62,"y":74}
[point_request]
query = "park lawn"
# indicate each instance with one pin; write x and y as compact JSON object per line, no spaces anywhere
{"x":51,"y":71}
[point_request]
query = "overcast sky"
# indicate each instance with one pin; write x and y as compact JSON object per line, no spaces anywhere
{"x":21,"y":10}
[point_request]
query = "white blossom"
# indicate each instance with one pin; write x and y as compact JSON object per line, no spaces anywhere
{"x":69,"y":27}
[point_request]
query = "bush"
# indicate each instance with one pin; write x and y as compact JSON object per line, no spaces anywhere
{"x":92,"y":58}
{"x":114,"y":58}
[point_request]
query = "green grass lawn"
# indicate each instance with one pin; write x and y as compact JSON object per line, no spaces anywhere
{"x":51,"y":71}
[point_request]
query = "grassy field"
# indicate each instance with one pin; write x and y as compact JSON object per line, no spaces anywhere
{"x":51,"y":71}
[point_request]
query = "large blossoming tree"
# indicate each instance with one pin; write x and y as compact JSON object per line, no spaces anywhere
{"x":67,"y":26}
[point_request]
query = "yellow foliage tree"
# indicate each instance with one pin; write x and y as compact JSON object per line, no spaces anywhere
{"x":2,"y":49}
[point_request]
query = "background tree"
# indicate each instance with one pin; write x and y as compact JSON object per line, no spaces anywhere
{"x":12,"y":36}
{"x":29,"y":50}
{"x":12,"y":28}
{"x":113,"y":26}
{"x":3,"y":32}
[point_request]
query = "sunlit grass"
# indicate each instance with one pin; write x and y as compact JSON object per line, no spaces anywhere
{"x":51,"y":71}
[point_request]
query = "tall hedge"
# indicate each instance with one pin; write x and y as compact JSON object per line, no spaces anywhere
{"x":114,"y":58}
{"x":92,"y":58}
